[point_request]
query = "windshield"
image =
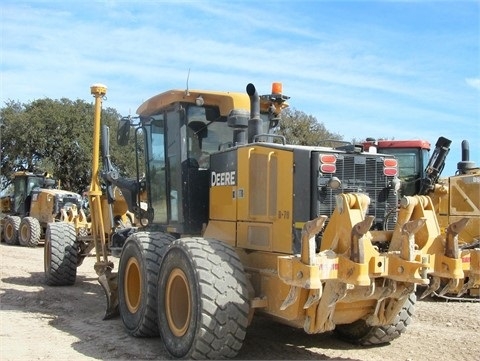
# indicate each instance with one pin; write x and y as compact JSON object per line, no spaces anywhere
{"x":409,"y":166}
{"x":207,"y":132}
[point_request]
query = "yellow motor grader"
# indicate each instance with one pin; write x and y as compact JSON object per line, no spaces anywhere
{"x":238,"y":222}
{"x":35,"y":202}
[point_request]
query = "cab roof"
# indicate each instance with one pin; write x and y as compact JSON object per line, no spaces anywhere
{"x":226,"y":101}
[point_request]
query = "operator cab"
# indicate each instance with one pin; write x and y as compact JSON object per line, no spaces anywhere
{"x":412,"y":157}
{"x":24,"y":184}
{"x":177,"y":164}
{"x":180,"y":130}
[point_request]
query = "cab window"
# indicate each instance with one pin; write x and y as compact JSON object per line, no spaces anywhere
{"x":207,"y":131}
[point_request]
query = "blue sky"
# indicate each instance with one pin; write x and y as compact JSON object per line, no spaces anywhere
{"x":391,"y":69}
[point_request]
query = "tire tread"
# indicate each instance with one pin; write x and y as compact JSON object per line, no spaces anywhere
{"x":62,"y":270}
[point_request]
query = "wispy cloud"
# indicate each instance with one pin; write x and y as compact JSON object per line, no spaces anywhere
{"x":473,"y":82}
{"x":394,"y":69}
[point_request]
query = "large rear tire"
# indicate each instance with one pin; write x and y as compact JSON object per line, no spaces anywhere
{"x":60,"y":254}
{"x":29,"y":232}
{"x":362,"y":334}
{"x":202,"y":300}
{"x":10,"y":230}
{"x":137,"y":281}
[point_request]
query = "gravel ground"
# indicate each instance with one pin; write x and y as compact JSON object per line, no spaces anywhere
{"x":65,"y":323}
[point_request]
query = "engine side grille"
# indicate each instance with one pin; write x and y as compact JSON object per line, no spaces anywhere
{"x":361,"y":173}
{"x":65,"y":201}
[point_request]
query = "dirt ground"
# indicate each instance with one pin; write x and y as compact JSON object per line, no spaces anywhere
{"x":38,"y":322}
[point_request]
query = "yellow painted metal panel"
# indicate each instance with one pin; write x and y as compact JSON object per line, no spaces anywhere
{"x":226,"y":101}
{"x":256,"y":236}
{"x":264,"y":178}
{"x":223,"y":231}
{"x":223,"y":205}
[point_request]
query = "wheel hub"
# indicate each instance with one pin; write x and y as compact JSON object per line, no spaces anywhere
{"x":133,"y":285}
{"x":178,"y":302}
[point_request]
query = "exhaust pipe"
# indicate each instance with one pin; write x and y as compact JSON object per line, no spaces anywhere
{"x":465,"y":166}
{"x":255,"y":122}
{"x":465,"y":151}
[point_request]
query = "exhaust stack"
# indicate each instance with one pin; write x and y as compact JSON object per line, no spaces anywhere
{"x":255,"y":122}
{"x":465,"y":166}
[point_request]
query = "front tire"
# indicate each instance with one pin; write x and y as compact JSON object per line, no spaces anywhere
{"x":29,"y":232}
{"x":137,"y":281}
{"x":202,"y":300}
{"x":10,"y":230}
{"x":362,"y":334}
{"x":60,"y":254}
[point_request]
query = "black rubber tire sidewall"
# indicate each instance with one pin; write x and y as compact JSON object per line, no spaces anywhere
{"x":14,"y":223}
{"x":33,"y":232}
{"x":219,"y":304}
{"x":178,"y":346}
{"x":148,"y":248}
{"x":60,"y":254}
{"x":362,"y":334}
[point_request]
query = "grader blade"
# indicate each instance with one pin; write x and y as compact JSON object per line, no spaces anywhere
{"x":109,"y":283}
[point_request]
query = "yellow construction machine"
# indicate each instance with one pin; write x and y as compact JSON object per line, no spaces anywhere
{"x":236,"y":222}
{"x":456,"y":199}
{"x":35,"y":202}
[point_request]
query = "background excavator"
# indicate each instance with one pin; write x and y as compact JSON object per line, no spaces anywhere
{"x":456,"y":198}
{"x":234,"y":222}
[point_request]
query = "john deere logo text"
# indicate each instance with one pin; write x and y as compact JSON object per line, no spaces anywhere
{"x":223,"y":179}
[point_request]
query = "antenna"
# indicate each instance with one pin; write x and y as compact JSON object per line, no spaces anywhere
{"x":188,"y":76}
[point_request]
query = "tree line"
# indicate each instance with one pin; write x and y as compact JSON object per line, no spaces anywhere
{"x":56,"y":136}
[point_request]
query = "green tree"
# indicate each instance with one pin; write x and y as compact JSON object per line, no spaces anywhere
{"x":56,"y":136}
{"x":301,"y":129}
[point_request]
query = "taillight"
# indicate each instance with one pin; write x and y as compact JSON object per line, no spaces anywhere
{"x":390,"y":162}
{"x":328,"y":168}
{"x":327,"y":163}
{"x":390,"y":167}
{"x":390,"y":172}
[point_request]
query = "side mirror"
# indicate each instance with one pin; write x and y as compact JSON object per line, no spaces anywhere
{"x":123,"y":131}
{"x":49,"y":183}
